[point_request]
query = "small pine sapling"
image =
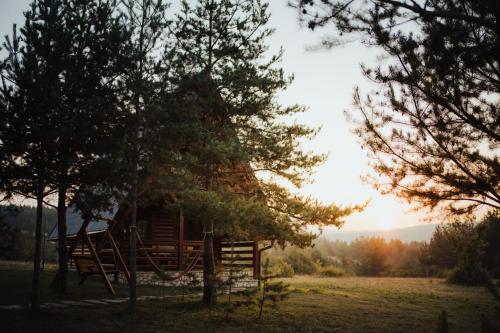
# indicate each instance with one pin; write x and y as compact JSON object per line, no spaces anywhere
{"x":270,"y":292}
{"x":443,"y":323}
{"x":235,"y":275}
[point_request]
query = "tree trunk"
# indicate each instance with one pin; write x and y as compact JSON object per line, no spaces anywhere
{"x":209,"y":287}
{"x":59,"y":283}
{"x":133,"y":248}
{"x":35,"y":289}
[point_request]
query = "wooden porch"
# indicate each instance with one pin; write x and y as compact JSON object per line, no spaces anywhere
{"x":99,"y":253}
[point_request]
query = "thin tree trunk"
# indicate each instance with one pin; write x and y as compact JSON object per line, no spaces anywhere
{"x":35,"y":289}
{"x":209,"y":288}
{"x":59,"y":282}
{"x":133,"y":248}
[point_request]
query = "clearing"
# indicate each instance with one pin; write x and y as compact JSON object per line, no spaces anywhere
{"x":350,"y":304}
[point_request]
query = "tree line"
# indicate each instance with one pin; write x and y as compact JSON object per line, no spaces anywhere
{"x":463,"y":252}
{"x":17,"y":233}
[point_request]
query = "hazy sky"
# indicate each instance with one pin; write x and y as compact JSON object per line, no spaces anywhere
{"x":324,"y":82}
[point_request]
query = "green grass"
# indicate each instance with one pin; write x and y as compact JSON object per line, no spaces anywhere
{"x":346,"y":304}
{"x":15,"y":285}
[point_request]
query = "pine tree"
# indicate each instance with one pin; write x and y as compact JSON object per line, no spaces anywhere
{"x":271,"y":292}
{"x":431,"y":127}
{"x":144,"y":87}
{"x":267,"y":293}
{"x":25,"y":154}
{"x":443,"y":323}
{"x":75,"y":47}
{"x":226,"y":85}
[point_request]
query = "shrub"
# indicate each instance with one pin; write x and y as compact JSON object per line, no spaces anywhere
{"x":283,"y":269}
{"x":301,"y":263}
{"x":470,"y":275}
{"x":280,"y":268}
{"x":332,"y":271}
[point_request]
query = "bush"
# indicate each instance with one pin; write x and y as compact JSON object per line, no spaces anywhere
{"x":332,"y":271}
{"x":301,"y":262}
{"x":281,"y":268}
{"x":472,"y":275}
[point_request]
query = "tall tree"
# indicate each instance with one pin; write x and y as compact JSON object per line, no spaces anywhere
{"x":26,"y":98}
{"x":226,"y":82}
{"x":433,"y":126}
{"x":77,"y":48}
{"x":145,"y":82}
{"x":88,"y":57}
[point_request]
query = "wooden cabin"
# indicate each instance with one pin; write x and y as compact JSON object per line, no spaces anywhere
{"x":166,"y":242}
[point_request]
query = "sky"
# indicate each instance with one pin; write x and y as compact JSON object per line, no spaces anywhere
{"x":324,"y":83}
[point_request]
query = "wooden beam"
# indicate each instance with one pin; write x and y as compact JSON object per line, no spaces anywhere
{"x":118,"y":255}
{"x":99,"y":263}
{"x":256,"y":260}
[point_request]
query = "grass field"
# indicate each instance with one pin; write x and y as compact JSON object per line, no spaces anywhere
{"x":351,"y":304}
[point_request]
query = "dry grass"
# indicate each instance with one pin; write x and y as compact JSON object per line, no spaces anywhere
{"x":350,"y":304}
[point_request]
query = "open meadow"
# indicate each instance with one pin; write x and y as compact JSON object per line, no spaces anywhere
{"x":347,"y":304}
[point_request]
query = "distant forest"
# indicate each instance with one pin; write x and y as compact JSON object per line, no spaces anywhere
{"x":23,"y":217}
{"x":464,"y":252}
{"x":17,"y":227}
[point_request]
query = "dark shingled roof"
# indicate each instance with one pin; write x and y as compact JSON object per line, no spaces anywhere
{"x":74,"y":222}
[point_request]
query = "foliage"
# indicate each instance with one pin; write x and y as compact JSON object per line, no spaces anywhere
{"x":18,"y":224}
{"x":229,"y":84}
{"x":281,"y":268}
{"x":144,"y":117}
{"x":10,"y":238}
{"x":373,"y":254}
{"x":225,"y":83}
{"x":489,"y":231}
{"x":363,"y":256}
{"x":268,"y":293}
{"x":431,"y":125}
{"x":302,"y":262}
{"x":19,"y":245}
{"x":332,"y":271}
{"x":230,"y":281}
{"x":460,"y":246}
{"x":59,"y":106}
{"x":22,"y":217}
{"x":440,"y":250}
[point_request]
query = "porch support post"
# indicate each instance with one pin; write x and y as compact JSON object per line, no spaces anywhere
{"x":256,"y":260}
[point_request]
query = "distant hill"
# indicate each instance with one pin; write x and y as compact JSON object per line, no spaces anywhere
{"x":418,"y":233}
